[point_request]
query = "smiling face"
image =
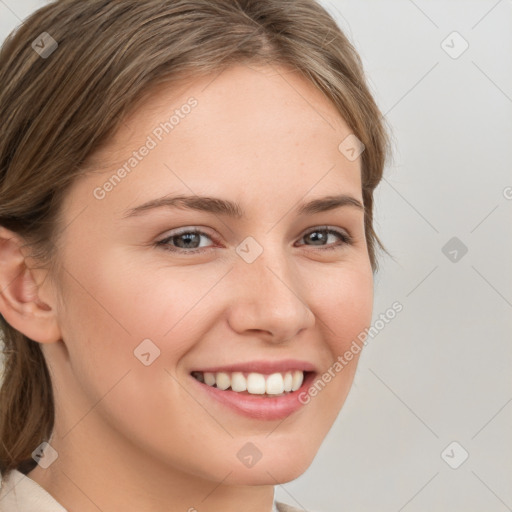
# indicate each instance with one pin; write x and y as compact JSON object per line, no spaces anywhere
{"x":268,"y":286}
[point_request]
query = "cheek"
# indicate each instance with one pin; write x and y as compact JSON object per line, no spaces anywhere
{"x":102,"y":327}
{"x":117,"y":318}
{"x":119,"y":304}
{"x":109,"y":309}
{"x":344,"y":304}
{"x":343,"y":301}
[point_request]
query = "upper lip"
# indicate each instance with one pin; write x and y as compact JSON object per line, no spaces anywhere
{"x":266,"y":367}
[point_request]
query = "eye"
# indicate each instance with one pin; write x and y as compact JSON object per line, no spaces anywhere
{"x":319,"y":236}
{"x":186,"y":242}
{"x":189,"y":241}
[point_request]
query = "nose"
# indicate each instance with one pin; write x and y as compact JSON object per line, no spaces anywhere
{"x":268,"y":299}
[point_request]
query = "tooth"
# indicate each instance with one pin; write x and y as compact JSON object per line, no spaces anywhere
{"x":288,"y":379}
{"x":256,"y":383}
{"x":223,"y":380}
{"x":238,"y":382}
{"x":209,"y":378}
{"x":298,"y":377}
{"x":274,"y":384}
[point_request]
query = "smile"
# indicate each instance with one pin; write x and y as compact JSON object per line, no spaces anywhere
{"x":275,"y":384}
{"x":261,"y":390}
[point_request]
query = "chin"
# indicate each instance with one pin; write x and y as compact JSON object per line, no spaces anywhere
{"x":273,"y":476}
{"x":272,"y":470}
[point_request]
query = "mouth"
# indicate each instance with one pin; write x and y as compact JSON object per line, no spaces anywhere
{"x":253,"y":383}
{"x":269,"y":394}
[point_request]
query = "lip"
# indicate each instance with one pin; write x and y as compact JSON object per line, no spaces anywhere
{"x":257,"y":406}
{"x":266,"y":367}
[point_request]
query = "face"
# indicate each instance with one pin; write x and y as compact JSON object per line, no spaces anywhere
{"x":159,"y":302}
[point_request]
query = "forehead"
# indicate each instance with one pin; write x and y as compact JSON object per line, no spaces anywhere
{"x":247,"y":131}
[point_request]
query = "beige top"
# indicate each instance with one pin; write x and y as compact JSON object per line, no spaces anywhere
{"x":19,"y":493}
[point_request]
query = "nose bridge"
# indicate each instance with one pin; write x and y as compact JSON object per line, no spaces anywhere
{"x":269,"y":293}
{"x":270,"y":272}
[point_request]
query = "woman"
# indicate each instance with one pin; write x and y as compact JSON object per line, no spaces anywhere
{"x":186,"y":248}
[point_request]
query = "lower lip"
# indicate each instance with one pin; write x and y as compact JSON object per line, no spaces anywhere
{"x":258,"y":406}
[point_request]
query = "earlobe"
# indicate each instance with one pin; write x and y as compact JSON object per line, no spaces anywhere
{"x":20,"y":303}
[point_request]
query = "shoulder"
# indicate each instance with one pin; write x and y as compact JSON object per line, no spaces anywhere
{"x":283,"y":507}
{"x":20,"y":492}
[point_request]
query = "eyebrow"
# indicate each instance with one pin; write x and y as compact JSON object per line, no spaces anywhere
{"x":229,"y":208}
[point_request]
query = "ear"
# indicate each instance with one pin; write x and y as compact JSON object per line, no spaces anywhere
{"x":20,"y":301}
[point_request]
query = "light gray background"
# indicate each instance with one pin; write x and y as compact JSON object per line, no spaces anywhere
{"x":440,"y":371}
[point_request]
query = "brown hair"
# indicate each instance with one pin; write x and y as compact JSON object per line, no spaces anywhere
{"x":58,"y":110}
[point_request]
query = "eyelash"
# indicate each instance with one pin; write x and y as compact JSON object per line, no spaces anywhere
{"x":345,"y":238}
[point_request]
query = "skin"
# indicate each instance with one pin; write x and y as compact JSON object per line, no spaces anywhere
{"x":268,"y":139}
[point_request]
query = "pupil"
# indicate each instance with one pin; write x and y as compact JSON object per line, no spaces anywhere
{"x":190,"y":237}
{"x":314,"y":236}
